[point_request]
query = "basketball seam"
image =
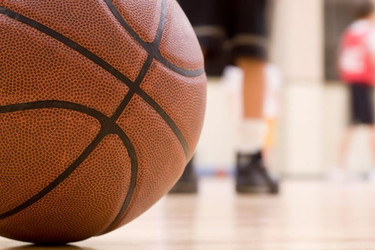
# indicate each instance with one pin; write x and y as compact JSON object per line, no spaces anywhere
{"x":115,"y":116}
{"x":150,"y":47}
{"x":107,"y":127}
{"x":134,"y":88}
{"x":100,"y":62}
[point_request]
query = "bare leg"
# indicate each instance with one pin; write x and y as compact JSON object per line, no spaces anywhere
{"x":254,"y":85}
{"x":252,"y":176}
{"x":344,"y":147}
{"x":253,"y":126}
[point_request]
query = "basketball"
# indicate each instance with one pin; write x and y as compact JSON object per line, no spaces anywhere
{"x":101,"y":108}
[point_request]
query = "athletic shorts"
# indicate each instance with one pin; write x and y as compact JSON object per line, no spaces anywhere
{"x":228,"y":29}
{"x":361,"y":104}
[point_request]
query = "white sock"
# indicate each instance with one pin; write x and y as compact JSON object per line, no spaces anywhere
{"x":251,"y":136}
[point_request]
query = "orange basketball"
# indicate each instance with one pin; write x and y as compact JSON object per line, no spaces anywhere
{"x":101,"y":107}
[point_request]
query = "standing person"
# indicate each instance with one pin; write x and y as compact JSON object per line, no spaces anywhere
{"x":234,"y":31}
{"x":356,"y":66}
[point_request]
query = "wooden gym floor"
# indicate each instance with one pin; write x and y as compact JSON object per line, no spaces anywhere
{"x":308,"y":215}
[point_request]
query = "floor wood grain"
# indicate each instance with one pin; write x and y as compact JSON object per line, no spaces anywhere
{"x":308,"y":215}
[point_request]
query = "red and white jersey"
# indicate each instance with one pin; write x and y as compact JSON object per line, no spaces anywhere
{"x":356,"y":53}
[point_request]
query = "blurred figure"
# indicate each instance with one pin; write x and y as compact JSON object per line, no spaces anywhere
{"x":356,"y":66}
{"x":234,"y":32}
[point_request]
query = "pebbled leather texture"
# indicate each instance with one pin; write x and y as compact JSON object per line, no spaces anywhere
{"x":101,"y":107}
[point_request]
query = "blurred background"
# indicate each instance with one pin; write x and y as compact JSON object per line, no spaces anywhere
{"x":314,"y":105}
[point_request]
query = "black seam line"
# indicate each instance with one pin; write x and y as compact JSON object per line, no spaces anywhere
{"x":105,"y":121}
{"x":146,"y":66}
{"x":115,"y":116}
{"x":96,"y":60}
{"x":151,"y":47}
{"x":71,"y":44}
{"x":58,"y":180}
{"x":136,"y":87}
{"x":108,"y":127}
{"x":169,"y":121}
{"x":160,"y":30}
{"x":133,"y":179}
{"x":54,"y":104}
{"x":133,"y":89}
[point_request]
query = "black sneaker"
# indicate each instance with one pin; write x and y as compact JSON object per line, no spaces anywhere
{"x":188,"y":183}
{"x":252,"y":176}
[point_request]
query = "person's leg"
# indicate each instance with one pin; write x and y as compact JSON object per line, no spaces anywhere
{"x":254,"y":86}
{"x":344,"y":147}
{"x":361,"y":113}
{"x":252,"y":176}
{"x":253,"y":127}
{"x":249,"y":46}
{"x":339,"y":173}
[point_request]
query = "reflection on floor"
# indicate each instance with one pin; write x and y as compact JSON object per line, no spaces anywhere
{"x":308,"y":215}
